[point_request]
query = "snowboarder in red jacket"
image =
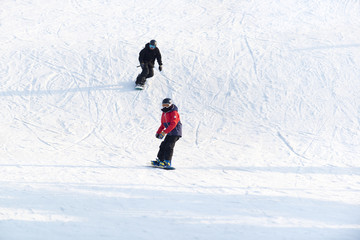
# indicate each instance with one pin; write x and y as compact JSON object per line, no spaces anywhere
{"x":171,"y":127}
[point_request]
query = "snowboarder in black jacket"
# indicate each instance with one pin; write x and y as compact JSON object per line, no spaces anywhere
{"x":147,"y":58}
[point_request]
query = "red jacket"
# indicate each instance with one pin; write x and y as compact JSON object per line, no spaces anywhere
{"x":170,"y":121}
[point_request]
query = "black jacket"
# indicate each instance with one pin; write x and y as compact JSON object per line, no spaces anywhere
{"x":148,"y":56}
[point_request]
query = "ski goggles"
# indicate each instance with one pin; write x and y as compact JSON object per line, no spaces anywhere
{"x":151,"y":46}
{"x":166,"y":105}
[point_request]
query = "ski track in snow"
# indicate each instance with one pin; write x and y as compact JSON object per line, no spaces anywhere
{"x":268,"y":97}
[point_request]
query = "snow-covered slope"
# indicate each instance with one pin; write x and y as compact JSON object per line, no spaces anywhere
{"x":268,"y":93}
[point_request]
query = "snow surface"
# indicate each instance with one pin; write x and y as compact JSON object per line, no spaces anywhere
{"x":268,"y":93}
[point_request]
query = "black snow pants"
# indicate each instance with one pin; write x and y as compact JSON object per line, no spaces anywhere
{"x":147,"y":72}
{"x":167,"y":148}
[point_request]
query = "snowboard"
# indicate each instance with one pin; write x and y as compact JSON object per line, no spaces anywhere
{"x":139,"y":87}
{"x":165,"y":168}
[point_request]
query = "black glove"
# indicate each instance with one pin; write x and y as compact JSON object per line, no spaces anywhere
{"x":160,"y":68}
{"x":142,"y":65}
{"x":160,"y":135}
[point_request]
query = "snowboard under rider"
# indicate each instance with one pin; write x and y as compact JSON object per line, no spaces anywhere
{"x":171,"y":127}
{"x":147,"y":58}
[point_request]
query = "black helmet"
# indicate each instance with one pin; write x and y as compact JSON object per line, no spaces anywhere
{"x":152,"y":44}
{"x":167,"y":101}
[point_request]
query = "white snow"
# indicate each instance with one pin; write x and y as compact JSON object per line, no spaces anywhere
{"x":268,"y":94}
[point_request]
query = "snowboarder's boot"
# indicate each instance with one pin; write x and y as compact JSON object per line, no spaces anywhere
{"x":156,"y":162}
{"x":140,"y":80}
{"x":165,"y":163}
